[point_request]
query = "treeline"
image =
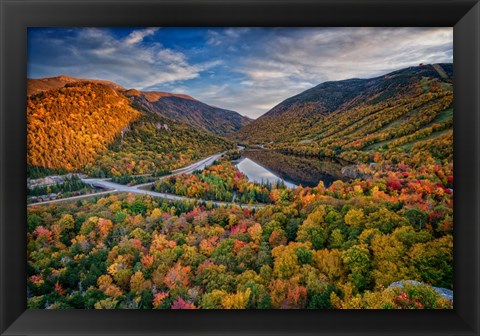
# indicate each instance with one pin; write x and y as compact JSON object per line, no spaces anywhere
{"x":132,"y":180}
{"x":71,"y":186}
{"x":35,"y":172}
{"x":73,"y":183}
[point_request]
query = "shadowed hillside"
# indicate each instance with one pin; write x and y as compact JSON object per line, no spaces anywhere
{"x":359,"y":114}
{"x":308,"y":114}
{"x":190,"y":111}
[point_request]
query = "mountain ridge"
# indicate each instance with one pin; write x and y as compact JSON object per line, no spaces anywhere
{"x":311,"y":106}
{"x":198,"y":114}
{"x":93,"y":128}
{"x":178,"y":107}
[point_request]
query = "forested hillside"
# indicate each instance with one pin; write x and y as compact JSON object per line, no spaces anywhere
{"x":68,"y":127}
{"x":153,"y":143}
{"x":91,"y":127}
{"x":354,"y":118}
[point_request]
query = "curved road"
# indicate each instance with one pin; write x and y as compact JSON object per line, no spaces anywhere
{"x":116,"y":187}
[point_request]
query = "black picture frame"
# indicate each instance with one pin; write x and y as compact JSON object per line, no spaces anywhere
{"x":17,"y":15}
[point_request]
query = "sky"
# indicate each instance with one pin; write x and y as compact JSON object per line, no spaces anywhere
{"x":248,"y":70}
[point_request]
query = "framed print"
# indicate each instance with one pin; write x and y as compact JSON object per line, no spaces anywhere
{"x":208,"y":167}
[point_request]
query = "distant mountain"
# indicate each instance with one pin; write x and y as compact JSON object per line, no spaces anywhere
{"x":178,"y":107}
{"x":154,"y":96}
{"x":193,"y":112}
{"x":92,"y":127}
{"x":298,"y":117}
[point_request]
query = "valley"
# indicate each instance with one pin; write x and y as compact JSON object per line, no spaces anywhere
{"x":322,"y":202}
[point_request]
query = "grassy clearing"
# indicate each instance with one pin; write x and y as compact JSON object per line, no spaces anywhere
{"x":409,"y":145}
{"x":443,"y":116}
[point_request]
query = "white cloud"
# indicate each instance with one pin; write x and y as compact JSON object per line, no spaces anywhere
{"x":260,"y":67}
{"x":227,"y":36}
{"x":138,"y":35}
{"x":96,"y":53}
{"x":298,"y":59}
{"x":336,"y":54}
{"x":251,"y":100}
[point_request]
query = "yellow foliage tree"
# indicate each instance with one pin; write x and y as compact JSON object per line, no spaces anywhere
{"x":239,"y":300}
{"x":355,"y":217}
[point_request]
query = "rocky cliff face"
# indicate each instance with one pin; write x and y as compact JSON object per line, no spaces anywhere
{"x":446,"y":293}
{"x":353,"y":172}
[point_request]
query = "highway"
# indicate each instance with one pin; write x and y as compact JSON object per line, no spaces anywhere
{"x":112,"y":187}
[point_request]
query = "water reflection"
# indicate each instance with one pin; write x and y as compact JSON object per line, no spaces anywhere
{"x":257,"y":173}
{"x":294,"y":169}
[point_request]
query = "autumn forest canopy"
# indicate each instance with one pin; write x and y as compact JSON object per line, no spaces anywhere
{"x":226,"y":241}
